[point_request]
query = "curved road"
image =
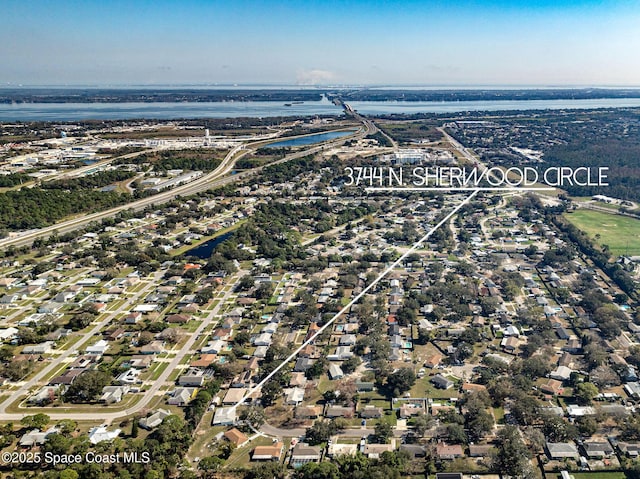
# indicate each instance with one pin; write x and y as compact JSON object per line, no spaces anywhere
{"x":216,"y":178}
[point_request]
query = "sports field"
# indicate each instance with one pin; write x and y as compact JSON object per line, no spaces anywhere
{"x":620,"y":233}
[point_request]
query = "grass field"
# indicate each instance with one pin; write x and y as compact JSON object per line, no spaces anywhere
{"x":620,"y":233}
{"x":594,"y":475}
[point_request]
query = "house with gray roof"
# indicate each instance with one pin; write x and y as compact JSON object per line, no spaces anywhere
{"x":561,"y":450}
{"x":154,"y":420}
{"x":441,"y":382}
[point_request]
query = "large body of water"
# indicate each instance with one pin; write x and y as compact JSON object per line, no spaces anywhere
{"x":310,"y":139}
{"x":160,"y":110}
{"x":168,"y":110}
{"x":412,"y":107}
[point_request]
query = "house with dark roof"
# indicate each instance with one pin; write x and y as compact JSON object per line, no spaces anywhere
{"x":441,"y":382}
{"x":597,"y":449}
{"x":631,"y":449}
{"x":303,"y":453}
{"x":561,"y":450}
{"x":302,"y":365}
{"x":414,"y":450}
{"x":339,"y":411}
{"x":371,"y":412}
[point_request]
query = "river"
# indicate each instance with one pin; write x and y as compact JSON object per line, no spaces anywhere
{"x":169,"y":110}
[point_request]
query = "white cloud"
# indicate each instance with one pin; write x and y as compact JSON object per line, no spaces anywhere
{"x":314,"y":77}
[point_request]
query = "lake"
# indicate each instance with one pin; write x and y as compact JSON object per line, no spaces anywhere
{"x":204,"y":250}
{"x":310,"y":139}
{"x":174,"y":110}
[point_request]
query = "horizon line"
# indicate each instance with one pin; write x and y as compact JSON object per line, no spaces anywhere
{"x":443,"y":86}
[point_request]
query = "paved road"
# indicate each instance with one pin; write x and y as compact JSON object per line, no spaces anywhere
{"x":100,"y":413}
{"x":206,"y":182}
{"x":602,"y":209}
{"x":57,"y":361}
{"x":273,"y":431}
{"x":216,"y":178}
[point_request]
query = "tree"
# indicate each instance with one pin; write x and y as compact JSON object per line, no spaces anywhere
{"x":69,"y":474}
{"x":145,"y":338}
{"x":318,"y":368}
{"x":67,"y":426}
{"x":383,"y":432}
{"x":134,"y":428}
{"x":595,"y":355}
{"x":587,"y":425}
{"x":226,"y":449}
{"x":456,"y":434}
{"x":210,"y":465}
{"x":245,"y":283}
{"x":585,"y":392}
{"x":265,"y":290}
{"x":525,"y":410}
{"x":329,"y":396}
{"x":242,"y":338}
{"x":556,"y":429}
{"x":37,"y":421}
{"x":270,"y":392}
{"x":351,"y":364}
{"x":320,"y":432}
{"x":400,"y":381}
{"x":58,"y":444}
{"x":630,"y":428}
{"x":6,"y":352}
{"x":355,"y":465}
{"x":535,"y":367}
{"x":314,"y":470}
{"x":87,"y":386}
{"x":512,"y":458}
{"x":269,"y":470}
{"x":634,"y":355}
{"x":422,"y":423}
{"x":633,"y":470}
{"x":480,"y":424}
{"x":16,"y":370}
{"x":604,"y":376}
{"x":489,"y":305}
{"x":254,"y":415}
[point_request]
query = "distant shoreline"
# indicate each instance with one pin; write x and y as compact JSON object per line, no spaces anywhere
{"x":22,"y":95}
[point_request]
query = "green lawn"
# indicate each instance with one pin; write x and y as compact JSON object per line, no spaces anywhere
{"x":424,"y":389}
{"x":620,"y":233}
{"x":158,"y":371}
{"x":242,"y":456}
{"x":597,"y":475}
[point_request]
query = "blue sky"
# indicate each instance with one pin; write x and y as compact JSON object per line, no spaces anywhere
{"x":428,"y":42}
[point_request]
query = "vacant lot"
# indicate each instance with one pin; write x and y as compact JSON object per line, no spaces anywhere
{"x":620,"y":233}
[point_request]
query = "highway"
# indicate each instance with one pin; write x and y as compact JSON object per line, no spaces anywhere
{"x":217,"y":178}
{"x":220,"y":176}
